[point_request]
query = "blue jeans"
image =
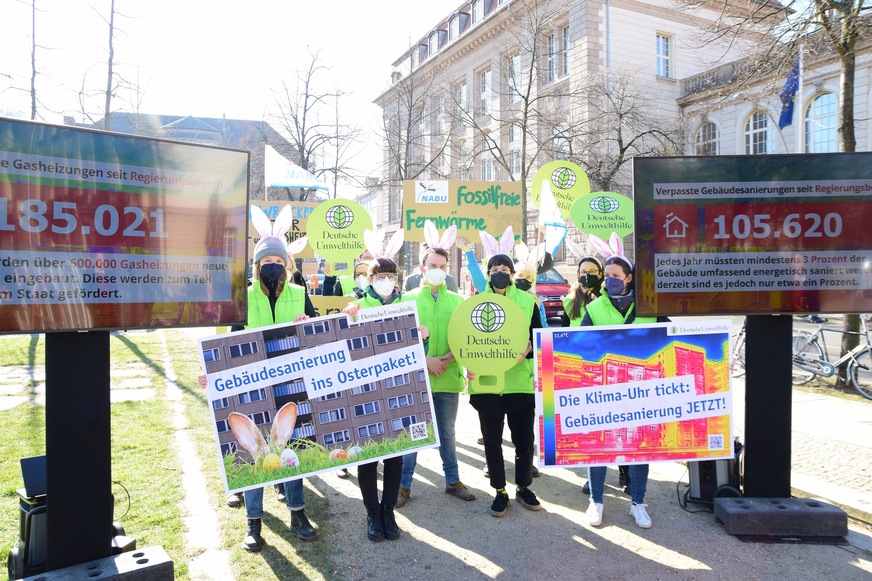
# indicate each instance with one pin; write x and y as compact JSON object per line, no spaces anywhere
{"x":293,"y":498}
{"x":445,"y":407}
{"x":638,"y":482}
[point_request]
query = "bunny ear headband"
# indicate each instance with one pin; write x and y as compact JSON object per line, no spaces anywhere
{"x":504,"y":246}
{"x":374,"y":241}
{"x":581,"y":255}
{"x":533,"y":256}
{"x":272,"y":235}
{"x":614,"y":248}
{"x":431,"y":236}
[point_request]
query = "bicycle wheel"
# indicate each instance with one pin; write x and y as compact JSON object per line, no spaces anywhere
{"x":738,"y":362}
{"x":805,"y":347}
{"x":861,"y":374}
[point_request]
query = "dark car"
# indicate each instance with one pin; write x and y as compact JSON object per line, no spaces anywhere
{"x":551,"y":287}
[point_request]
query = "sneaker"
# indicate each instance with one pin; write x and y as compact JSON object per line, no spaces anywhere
{"x":486,"y":471}
{"x":280,"y":492}
{"x":586,"y":488}
{"x":526,"y":497}
{"x":500,"y":505}
{"x":535,"y":472}
{"x":403,"y":496}
{"x":234,"y":500}
{"x":480,"y":441}
{"x":595,"y":514}
{"x":638,"y":512}
{"x":459,"y":490}
{"x":344,"y":474}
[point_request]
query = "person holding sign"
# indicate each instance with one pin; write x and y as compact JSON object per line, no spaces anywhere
{"x":515,"y":405}
{"x":617,"y":306}
{"x":436,"y":304}
{"x":274,"y":299}
{"x":381,"y":523}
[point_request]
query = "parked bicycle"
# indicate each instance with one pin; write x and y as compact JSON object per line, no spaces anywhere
{"x":810,"y":357}
{"x":737,"y":353}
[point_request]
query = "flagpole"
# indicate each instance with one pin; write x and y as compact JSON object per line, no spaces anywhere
{"x":800,"y":127}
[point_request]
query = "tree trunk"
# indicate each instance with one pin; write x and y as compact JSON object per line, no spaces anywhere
{"x":108,"y":108}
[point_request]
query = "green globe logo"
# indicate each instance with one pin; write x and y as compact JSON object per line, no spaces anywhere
{"x":488,"y":317}
{"x":604,"y":205}
{"x":563,"y":178}
{"x":339,"y":217}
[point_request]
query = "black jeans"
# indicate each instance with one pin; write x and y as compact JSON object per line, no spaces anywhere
{"x":367,"y":479}
{"x":518,"y":410}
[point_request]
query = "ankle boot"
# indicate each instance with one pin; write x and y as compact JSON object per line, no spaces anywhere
{"x":301,"y":525}
{"x":624,"y":478}
{"x":252,"y":541}
{"x":374,"y":528}
{"x":389,"y":522}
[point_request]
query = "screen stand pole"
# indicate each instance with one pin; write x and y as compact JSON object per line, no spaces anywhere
{"x":79,"y":501}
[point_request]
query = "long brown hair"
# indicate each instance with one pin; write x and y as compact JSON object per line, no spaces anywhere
{"x":580,"y":296}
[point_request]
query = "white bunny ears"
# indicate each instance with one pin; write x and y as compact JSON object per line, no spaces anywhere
{"x":504,"y":246}
{"x":374,"y":241}
{"x":583,"y":255}
{"x":530,"y":255}
{"x":431,"y":236}
{"x":614,"y":248}
{"x":272,"y":235}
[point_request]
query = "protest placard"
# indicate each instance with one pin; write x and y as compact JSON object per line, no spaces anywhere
{"x":297,"y":399}
{"x":633,"y":394}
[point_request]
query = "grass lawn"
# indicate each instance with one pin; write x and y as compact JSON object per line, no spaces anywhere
{"x":146,"y":461}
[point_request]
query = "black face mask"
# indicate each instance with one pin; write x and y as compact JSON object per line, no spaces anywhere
{"x":591,"y":281}
{"x":500,"y":280}
{"x":271,"y":274}
{"x":523,"y":284}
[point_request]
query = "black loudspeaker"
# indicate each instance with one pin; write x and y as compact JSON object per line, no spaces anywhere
{"x":707,"y":476}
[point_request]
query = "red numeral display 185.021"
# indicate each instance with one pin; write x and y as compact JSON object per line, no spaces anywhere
{"x":62,"y":218}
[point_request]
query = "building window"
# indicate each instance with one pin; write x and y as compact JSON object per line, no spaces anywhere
{"x":330,"y":396}
{"x":551,"y":45}
{"x":757,"y":133}
{"x":365,"y":409}
{"x":389,"y":337}
{"x":365,"y":388}
{"x":336,"y":437}
{"x":564,"y":50}
{"x":336,"y":415}
{"x":515,"y":164}
{"x":664,"y":55}
{"x":220,"y":404}
{"x":515,"y":78}
{"x":316,"y":328}
{"x":370,"y":430}
{"x":243,"y":349}
{"x":454,"y":27}
{"x":223,"y":426}
{"x":821,"y":119}
{"x":211,"y":355}
{"x":260,"y":418}
{"x":398,"y":380}
{"x":561,"y":143}
{"x":440,"y":116}
{"x":425,"y":397}
{"x":487,"y":168}
{"x":484,"y":95}
{"x":462,"y":97}
{"x":707,"y":142}
{"x":401,"y":401}
{"x":251,"y":396}
{"x":400,"y":423}
{"x":514,"y":133}
{"x":357,"y":343}
{"x":477,"y":11}
{"x":434,"y":42}
{"x":228,"y":448}
{"x":421,"y":375}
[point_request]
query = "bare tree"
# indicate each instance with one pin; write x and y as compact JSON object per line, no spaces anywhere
{"x":339,"y":151}
{"x":621,"y":123}
{"x":792,"y":27}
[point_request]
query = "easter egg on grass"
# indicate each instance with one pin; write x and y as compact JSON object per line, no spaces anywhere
{"x":337,"y":455}
{"x":354,"y":452}
{"x":271,"y":462}
{"x":290,"y":458}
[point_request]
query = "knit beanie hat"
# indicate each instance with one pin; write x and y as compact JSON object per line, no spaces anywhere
{"x":271,"y":246}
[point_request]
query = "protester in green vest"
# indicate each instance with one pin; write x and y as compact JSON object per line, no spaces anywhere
{"x":586,"y":289}
{"x":436,"y":304}
{"x":617,"y":306}
{"x":272,"y":298}
{"x":516,"y":404}
{"x":352,"y":285}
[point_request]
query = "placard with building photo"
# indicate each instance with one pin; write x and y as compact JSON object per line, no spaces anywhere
{"x":297,"y":399}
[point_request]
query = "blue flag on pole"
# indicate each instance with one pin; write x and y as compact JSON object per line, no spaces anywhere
{"x":788,"y":93}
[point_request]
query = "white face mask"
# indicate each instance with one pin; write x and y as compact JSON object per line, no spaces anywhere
{"x":384,"y":288}
{"x":435,"y":276}
{"x":362,"y":281}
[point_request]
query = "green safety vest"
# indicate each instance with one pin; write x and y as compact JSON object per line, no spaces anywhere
{"x":603,"y":312}
{"x":435,"y":315}
{"x":347,"y":283}
{"x":567,"y":305}
{"x":291,"y":302}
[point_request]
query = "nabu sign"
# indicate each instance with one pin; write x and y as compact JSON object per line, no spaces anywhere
{"x":431,"y":192}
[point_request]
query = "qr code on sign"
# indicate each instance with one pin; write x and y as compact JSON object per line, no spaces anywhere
{"x":716,"y":442}
{"x":418,"y":431}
